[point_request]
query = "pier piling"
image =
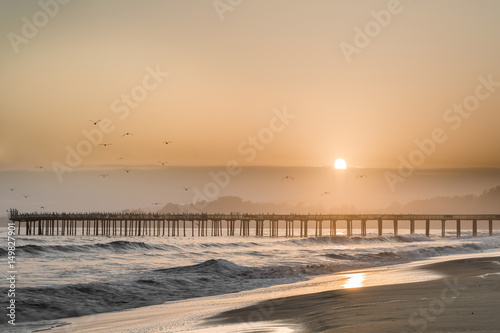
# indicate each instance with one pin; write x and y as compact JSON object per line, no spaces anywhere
{"x":177,"y":225}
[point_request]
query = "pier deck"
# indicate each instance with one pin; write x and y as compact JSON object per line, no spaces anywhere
{"x":158,"y":224}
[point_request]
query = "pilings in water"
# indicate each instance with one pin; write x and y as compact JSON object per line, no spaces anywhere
{"x":203,"y":225}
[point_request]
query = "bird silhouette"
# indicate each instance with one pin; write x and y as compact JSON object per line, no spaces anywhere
{"x":42,"y":207}
{"x":120,"y":158}
{"x":104,"y":175}
{"x":162,"y":163}
{"x":126,"y":170}
{"x":39,"y":167}
{"x":95,"y":122}
{"x":156,"y":203}
{"x":287,"y":177}
{"x":12,"y":188}
{"x":105,"y":144}
{"x":326,"y":193}
{"x":361,"y":176}
{"x":128,"y":133}
{"x":26,"y":196}
{"x":186,"y":188}
{"x":167,"y":142}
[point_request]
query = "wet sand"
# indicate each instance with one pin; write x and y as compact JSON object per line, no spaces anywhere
{"x":465,"y":299}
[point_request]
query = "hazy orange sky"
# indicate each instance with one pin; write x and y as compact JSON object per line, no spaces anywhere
{"x":225,"y":77}
{"x":273,"y":83}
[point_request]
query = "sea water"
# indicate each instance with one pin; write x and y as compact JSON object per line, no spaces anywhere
{"x":70,"y":276}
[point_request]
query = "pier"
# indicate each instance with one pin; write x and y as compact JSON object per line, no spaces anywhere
{"x":234,"y":224}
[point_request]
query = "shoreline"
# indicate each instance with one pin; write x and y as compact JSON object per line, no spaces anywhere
{"x":466,"y":299}
{"x":196,"y":315}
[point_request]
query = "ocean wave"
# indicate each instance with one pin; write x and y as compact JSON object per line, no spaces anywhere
{"x":450,"y":250}
{"x":114,"y":246}
{"x":394,"y":257}
{"x":257,"y":263}
{"x":344,"y":240}
{"x":212,"y":277}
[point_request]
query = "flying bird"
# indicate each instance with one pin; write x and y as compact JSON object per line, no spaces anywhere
{"x":361,"y":176}
{"x":186,"y":188}
{"x":288,"y":177}
{"x":162,"y":163}
{"x":26,"y":196}
{"x":42,"y":207}
{"x":156,"y":203}
{"x":39,"y":167}
{"x":128,"y":133}
{"x":120,"y":158}
{"x":103,"y":175}
{"x":325,"y":193}
{"x":12,"y":188}
{"x":105,"y":144}
{"x":95,"y":122}
{"x":126,"y":170}
{"x":167,"y":142}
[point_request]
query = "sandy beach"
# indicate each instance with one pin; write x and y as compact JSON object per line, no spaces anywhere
{"x":466,"y":299}
{"x":437,"y":295}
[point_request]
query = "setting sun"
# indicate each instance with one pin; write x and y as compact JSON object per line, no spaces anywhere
{"x":340,"y":164}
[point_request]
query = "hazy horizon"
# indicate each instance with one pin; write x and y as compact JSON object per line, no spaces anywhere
{"x":87,"y":190}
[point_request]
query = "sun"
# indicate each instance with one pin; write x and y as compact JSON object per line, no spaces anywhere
{"x":340,"y":164}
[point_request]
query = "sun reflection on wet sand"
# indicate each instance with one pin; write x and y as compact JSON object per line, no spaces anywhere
{"x":354,"y":280}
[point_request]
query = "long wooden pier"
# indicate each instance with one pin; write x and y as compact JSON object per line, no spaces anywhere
{"x":156,"y":224}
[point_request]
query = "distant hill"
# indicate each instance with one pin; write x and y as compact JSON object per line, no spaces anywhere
{"x":487,"y":202}
{"x":234,"y":204}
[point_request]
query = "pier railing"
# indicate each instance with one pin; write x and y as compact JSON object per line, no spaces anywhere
{"x":204,"y":224}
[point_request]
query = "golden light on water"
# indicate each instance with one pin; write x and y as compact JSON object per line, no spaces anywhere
{"x":354,"y":280}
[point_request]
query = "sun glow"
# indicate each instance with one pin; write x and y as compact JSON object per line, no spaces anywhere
{"x":340,"y":164}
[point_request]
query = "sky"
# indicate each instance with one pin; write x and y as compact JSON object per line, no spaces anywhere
{"x":394,"y":85}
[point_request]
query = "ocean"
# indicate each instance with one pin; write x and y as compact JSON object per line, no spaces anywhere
{"x":69,"y":276}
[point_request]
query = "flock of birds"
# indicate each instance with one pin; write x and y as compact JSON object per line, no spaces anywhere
{"x":26,"y":196}
{"x":104,"y":175}
{"x":124,"y":134}
{"x":162,"y":163}
{"x":285,"y":178}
